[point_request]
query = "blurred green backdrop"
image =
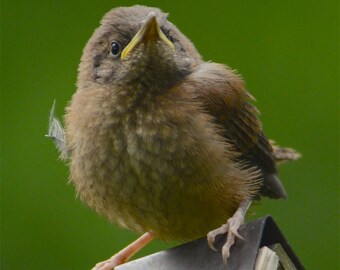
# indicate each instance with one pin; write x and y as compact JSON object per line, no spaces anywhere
{"x":288,"y":53}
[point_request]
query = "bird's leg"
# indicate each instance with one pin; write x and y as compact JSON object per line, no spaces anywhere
{"x":123,"y":255}
{"x":231,"y":228}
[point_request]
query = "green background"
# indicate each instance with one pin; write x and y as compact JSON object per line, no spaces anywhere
{"x":288,"y":53}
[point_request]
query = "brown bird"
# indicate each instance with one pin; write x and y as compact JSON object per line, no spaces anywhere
{"x":160,"y":141}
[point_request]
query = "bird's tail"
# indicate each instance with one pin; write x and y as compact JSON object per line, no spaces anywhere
{"x":282,"y":154}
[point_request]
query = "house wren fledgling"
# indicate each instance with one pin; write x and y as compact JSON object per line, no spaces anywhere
{"x":160,"y":141}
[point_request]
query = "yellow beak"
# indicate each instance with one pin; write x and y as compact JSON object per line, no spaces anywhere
{"x":149,"y":31}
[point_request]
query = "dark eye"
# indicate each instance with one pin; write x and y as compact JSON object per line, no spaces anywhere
{"x":115,"y":48}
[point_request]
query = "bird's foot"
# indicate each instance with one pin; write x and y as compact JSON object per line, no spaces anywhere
{"x":124,"y":255}
{"x":110,"y":263}
{"x":231,"y":228}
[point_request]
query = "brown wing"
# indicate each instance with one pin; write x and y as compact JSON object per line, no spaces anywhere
{"x":222,"y":94}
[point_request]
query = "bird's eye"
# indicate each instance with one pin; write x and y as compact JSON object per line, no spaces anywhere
{"x":115,"y":48}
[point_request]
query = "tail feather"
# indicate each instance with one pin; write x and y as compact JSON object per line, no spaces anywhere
{"x":282,"y":154}
{"x":272,"y":187}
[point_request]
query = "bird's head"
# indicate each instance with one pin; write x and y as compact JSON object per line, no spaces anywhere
{"x":137,"y":47}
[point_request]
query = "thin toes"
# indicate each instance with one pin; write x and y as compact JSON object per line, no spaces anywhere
{"x":104,"y":266}
{"x":236,"y":233}
{"x":212,"y":235}
{"x":221,"y":230}
{"x":211,"y":240}
{"x":107,"y":266}
{"x":226,"y":247}
{"x":225,"y":253}
{"x":98,"y":266}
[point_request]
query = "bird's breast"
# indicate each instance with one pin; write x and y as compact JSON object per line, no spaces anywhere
{"x":126,"y":161}
{"x":150,"y":167}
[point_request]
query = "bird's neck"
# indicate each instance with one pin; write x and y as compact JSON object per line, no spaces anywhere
{"x":152,"y":76}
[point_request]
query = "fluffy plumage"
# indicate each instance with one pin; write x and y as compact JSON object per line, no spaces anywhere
{"x":160,"y":140}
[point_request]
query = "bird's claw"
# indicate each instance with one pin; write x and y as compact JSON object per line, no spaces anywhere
{"x":109,"y":264}
{"x":231,"y":228}
{"x":212,"y":235}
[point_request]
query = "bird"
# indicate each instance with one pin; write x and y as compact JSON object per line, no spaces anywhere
{"x":160,"y":141}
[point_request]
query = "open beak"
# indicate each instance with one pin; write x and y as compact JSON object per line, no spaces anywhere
{"x":149,"y":32}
